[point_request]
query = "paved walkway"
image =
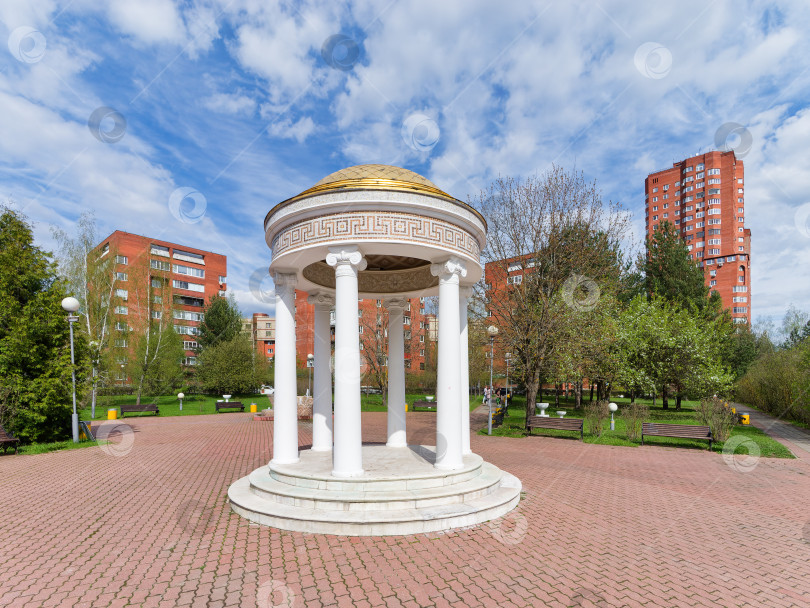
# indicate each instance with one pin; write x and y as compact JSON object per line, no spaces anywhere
{"x":145,"y":522}
{"x":793,"y":437}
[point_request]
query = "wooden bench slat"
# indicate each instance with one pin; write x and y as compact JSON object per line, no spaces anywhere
{"x":562,"y":424}
{"x":421,"y":403}
{"x":678,"y":431}
{"x":138,"y":409}
{"x":222,"y":405}
{"x":7,"y":440}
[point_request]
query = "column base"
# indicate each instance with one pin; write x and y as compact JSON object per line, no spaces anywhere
{"x":284,"y":461}
{"x":448,"y":467}
{"x":396,"y":444}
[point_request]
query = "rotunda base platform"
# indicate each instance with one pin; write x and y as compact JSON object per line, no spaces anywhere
{"x":400,"y":492}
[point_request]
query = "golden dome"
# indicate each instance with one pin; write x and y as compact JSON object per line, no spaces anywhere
{"x":376,"y":172}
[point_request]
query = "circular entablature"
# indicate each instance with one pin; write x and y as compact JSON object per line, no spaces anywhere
{"x":380,"y":280}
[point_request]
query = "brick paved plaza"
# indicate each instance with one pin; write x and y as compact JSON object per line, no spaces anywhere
{"x":145,"y":522}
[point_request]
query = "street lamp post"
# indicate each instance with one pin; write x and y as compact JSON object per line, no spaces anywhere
{"x":492,"y":331}
{"x":71,"y":305}
{"x":612,"y":407}
{"x":310,"y":365}
{"x":180,"y":397}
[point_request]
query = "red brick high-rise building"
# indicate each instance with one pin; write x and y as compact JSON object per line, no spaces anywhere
{"x":157,"y":278}
{"x":704,"y":198}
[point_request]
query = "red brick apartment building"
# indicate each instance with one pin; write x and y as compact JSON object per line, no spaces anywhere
{"x":262,"y":329}
{"x":704,"y":198}
{"x":184,"y":277}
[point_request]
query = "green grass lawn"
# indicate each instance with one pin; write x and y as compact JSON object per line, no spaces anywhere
{"x":44,"y":448}
{"x":170,"y":406}
{"x":513,"y":426}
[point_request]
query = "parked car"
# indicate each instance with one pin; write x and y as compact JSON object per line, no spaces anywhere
{"x":370,"y":390}
{"x":266,"y":389}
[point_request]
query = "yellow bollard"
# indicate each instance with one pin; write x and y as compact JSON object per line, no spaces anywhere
{"x":253,"y":408}
{"x":112,"y":414}
{"x":406,"y":407}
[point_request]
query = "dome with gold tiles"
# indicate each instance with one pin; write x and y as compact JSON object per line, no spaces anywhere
{"x":376,"y":172}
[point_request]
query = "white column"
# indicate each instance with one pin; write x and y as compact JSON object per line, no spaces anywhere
{"x":347,"y":455}
{"x":322,"y":381}
{"x":396,"y":373}
{"x":285,"y":406}
{"x":448,"y":381}
{"x":464,"y":357}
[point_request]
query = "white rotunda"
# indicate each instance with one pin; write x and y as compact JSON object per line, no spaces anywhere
{"x":372,"y":231}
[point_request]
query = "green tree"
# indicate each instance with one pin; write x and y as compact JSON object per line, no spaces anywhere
{"x":221,"y":321}
{"x":671,"y":274}
{"x":89,"y":272}
{"x":231,"y":367}
{"x":35,"y":368}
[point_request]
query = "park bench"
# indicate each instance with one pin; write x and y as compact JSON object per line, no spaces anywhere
{"x":224,"y":405}
{"x":139,"y":409}
{"x":560,"y":424}
{"x":682,"y":431}
{"x":7,"y":440}
{"x":422,"y":404}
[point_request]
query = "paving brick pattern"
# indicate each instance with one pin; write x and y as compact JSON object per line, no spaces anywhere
{"x":599,"y":526}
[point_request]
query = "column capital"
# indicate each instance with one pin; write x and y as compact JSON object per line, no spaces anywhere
{"x":321,"y":299}
{"x":401,"y":303}
{"x":465,"y":291}
{"x":284,"y":282}
{"x":349,"y":255}
{"x":449,"y":268}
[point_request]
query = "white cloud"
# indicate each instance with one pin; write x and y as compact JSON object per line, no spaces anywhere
{"x":230,"y":104}
{"x":287,"y":129}
{"x":150,"y":21}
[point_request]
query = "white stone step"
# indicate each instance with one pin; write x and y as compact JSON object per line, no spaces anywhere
{"x":265,"y":485}
{"x":375,"y":522}
{"x":391,"y":469}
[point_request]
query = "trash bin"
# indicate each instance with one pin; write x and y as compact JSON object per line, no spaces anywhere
{"x":253,"y":408}
{"x":112,"y":414}
{"x":745,"y":419}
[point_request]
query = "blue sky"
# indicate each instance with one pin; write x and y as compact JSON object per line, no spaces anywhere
{"x":237,"y":105}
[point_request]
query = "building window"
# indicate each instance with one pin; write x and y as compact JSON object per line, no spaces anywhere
{"x":160,"y":265}
{"x":159,"y":250}
{"x":688,"y":169}
{"x":740,"y":209}
{"x":121,"y":276}
{"x":121,"y":310}
{"x":191,"y":361}
{"x":421,"y":352}
{"x":421,"y":366}
{"x":189,"y":286}
{"x":187,"y":315}
{"x":714,"y":241}
{"x":715,"y":180}
{"x":699,"y":167}
{"x":188,"y":270}
{"x":121,"y":259}
{"x":655,"y":199}
{"x":120,"y":343}
{"x":187,"y":256}
{"x":223,"y":279}
{"x":120,"y":326}
{"x":122,"y":293}
{"x":740,"y":310}
{"x":187,"y":330}
{"x":739,"y":288}
{"x":189,"y":344}
{"x":739,"y":299}
{"x":156,"y":314}
{"x":105,"y":249}
{"x":739,"y":190}
{"x":712,"y":283}
{"x":713,"y":172}
{"x":518,"y":278}
{"x":714,"y":252}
